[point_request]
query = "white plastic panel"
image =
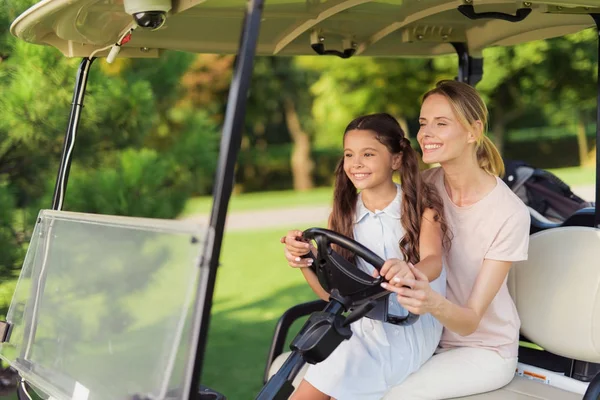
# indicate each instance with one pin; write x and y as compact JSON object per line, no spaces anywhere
{"x":102,"y":304}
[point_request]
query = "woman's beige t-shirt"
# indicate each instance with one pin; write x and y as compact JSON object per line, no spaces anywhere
{"x":495,"y":228}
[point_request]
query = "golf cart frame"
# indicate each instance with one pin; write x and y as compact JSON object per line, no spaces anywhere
{"x":470,"y":70}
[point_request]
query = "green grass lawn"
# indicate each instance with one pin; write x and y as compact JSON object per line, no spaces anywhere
{"x":254,"y":287}
{"x":262,"y":200}
{"x":576,"y":175}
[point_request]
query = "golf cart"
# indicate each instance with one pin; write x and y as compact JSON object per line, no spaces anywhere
{"x":78,"y":325}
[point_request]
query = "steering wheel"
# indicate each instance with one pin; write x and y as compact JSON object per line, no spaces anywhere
{"x":335,"y":272}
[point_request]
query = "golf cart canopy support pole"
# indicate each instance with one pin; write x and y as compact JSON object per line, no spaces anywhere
{"x":596,"y":18}
{"x":231,"y":140}
{"x":470,"y":70}
{"x":60,"y":188}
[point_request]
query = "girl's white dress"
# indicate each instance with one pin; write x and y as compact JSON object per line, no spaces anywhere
{"x":378,"y":355}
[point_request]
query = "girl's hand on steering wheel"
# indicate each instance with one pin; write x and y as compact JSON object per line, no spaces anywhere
{"x":295,"y":248}
{"x":415,"y":295}
{"x":394,"y":268}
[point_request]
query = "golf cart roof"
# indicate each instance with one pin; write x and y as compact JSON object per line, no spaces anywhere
{"x":405,"y":28}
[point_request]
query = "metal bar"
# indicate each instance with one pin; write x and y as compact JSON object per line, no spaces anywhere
{"x":463,"y":61}
{"x":470,"y":70}
{"x":60,"y":188}
{"x":230,"y":144}
{"x":596,"y":18}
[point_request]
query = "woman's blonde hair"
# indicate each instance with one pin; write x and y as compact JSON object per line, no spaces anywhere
{"x":469,"y":107}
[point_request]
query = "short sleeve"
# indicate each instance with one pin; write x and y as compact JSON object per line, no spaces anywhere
{"x":512,"y":241}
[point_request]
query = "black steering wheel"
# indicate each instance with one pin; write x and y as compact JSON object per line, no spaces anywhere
{"x":335,"y":272}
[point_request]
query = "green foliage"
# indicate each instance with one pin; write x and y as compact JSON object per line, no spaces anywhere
{"x":140,"y":183}
{"x":9,"y":10}
{"x":196,"y":150}
{"x":11,"y":246}
{"x":10,"y":249}
{"x":276,"y":80}
{"x":351,"y":87}
{"x":117,"y":114}
{"x":269,"y":169}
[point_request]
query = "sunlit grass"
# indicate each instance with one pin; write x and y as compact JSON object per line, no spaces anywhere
{"x":576,"y":175}
{"x":262,"y":200}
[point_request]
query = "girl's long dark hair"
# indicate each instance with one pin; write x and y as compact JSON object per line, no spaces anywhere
{"x":416,"y":194}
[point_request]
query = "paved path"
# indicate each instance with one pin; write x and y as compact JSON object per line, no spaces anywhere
{"x":301,"y":217}
{"x":587,"y":192}
{"x":287,"y":218}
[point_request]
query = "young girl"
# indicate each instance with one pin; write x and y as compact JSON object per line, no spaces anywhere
{"x":490,"y":227}
{"x":400,"y":223}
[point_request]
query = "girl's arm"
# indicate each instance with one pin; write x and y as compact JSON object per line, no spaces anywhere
{"x":314,"y":284}
{"x":294,"y":250}
{"x":430,"y":246}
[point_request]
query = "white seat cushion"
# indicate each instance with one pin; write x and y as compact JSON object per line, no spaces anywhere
{"x":526,"y":389}
{"x":278,"y":362}
{"x":519,"y":389}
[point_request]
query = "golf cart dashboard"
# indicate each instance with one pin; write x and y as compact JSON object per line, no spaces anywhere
{"x":405,"y":28}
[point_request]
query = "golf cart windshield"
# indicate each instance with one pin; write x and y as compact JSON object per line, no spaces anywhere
{"x":95,"y":316}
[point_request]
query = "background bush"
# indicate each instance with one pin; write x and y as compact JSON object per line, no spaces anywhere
{"x":141,"y":183}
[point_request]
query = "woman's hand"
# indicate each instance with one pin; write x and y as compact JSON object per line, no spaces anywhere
{"x":296,"y":247}
{"x":394,"y":268}
{"x":418,"y":298}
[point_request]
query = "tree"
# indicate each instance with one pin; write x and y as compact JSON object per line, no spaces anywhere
{"x":351,"y":87}
{"x":547,"y":82}
{"x":571,"y":92}
{"x":280,"y":98}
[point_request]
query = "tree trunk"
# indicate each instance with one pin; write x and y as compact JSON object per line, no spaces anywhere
{"x":592,"y":157}
{"x":302,"y":164}
{"x":582,"y":142}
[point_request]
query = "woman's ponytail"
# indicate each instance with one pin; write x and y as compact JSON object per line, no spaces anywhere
{"x":489,"y":157}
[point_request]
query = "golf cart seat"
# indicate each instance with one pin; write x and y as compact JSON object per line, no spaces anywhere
{"x":557,"y":295}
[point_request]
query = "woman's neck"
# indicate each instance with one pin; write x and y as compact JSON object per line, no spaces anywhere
{"x":466,"y":182}
{"x":379,"y":197}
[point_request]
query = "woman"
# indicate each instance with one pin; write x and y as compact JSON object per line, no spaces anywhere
{"x":490,"y":231}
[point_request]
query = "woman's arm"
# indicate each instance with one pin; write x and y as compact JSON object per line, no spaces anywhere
{"x":464,"y":320}
{"x":430,"y":246}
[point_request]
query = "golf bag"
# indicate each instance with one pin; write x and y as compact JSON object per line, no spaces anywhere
{"x":542,"y":191}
